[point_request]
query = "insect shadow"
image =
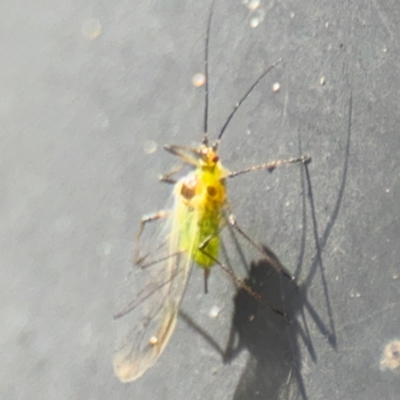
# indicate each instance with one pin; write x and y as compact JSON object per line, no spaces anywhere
{"x":271,"y":339}
{"x":274,"y":367}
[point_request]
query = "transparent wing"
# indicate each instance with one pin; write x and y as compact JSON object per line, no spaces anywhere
{"x":146,"y":323}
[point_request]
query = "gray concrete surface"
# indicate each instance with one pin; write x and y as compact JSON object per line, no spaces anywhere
{"x":88,"y":90}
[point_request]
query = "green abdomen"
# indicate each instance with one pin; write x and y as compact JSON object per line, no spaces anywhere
{"x":200,"y":228}
{"x":209,"y":226}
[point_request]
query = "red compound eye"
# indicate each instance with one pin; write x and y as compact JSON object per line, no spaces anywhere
{"x":215,"y":158}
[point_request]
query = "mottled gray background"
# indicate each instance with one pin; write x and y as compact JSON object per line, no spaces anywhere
{"x":82,"y":110}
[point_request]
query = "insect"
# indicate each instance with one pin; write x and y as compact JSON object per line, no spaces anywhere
{"x":191,"y":235}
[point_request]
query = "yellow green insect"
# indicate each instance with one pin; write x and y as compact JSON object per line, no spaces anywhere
{"x":191,"y":235}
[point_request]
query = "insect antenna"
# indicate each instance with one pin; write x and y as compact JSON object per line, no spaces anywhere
{"x":243,"y":99}
{"x":205,"y":128}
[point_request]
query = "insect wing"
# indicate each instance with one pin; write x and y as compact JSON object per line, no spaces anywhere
{"x":146,"y":324}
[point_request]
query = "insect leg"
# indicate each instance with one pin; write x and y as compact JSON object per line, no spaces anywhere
{"x":145,"y":219}
{"x":147,"y":291}
{"x":233,"y":223}
{"x":236,"y":279}
{"x":270,"y":166}
{"x":201,"y":247}
{"x":167,"y":177}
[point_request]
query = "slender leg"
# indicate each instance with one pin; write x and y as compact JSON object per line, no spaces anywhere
{"x":237,"y":280}
{"x":277,"y":266}
{"x":167,"y":178}
{"x":145,"y":220}
{"x":148,"y":290}
{"x":202,"y":246}
{"x":144,"y":294}
{"x":270,"y":166}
